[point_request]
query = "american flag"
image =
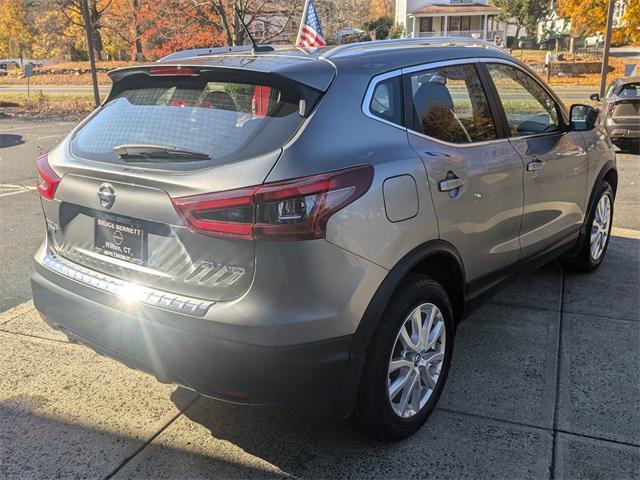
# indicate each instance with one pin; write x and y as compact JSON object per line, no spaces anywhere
{"x":310,"y":34}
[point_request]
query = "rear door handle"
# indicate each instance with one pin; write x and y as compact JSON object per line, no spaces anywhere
{"x":450,"y":184}
{"x":535,"y":165}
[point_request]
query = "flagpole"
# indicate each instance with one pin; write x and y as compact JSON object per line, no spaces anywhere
{"x":304,"y":16}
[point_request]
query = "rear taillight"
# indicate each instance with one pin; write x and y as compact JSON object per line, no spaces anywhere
{"x":296,"y":209}
{"x":47,"y":179}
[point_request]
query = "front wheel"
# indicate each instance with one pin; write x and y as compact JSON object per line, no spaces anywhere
{"x":407,"y":361}
{"x":594,"y":246}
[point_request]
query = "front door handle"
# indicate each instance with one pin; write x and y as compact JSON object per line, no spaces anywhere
{"x":450,"y":184}
{"x":535,"y":165}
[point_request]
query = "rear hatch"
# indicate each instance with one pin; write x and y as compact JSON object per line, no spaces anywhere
{"x":626,"y":106}
{"x":164,"y":133}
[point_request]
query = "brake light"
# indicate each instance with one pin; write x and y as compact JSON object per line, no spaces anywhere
{"x":48,"y":180}
{"x":170,"y":71}
{"x":297,"y":209}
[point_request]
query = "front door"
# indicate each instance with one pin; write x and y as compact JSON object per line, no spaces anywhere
{"x":475,"y":176}
{"x":555,"y":177}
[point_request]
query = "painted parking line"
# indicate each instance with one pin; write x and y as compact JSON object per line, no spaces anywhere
{"x":626,"y":233}
{"x":7,"y":189}
{"x":51,"y":136}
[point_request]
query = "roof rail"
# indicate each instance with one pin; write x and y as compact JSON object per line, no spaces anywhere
{"x":199,"y":52}
{"x":356,"y":48}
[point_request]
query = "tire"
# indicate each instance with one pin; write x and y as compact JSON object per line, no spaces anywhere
{"x":584,"y":261}
{"x":376,"y":412}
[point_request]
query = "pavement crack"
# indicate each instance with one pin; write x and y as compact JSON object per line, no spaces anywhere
{"x":36,"y":337}
{"x":495,"y":419}
{"x":552,"y":472}
{"x":17,"y":315}
{"x":151,"y":439}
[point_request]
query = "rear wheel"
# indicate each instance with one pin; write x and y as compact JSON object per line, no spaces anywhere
{"x":594,"y":245}
{"x":407,"y":361}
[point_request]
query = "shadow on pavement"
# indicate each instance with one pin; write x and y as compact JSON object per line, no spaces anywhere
{"x":310,"y":444}
{"x":33,"y":445}
{"x":10,"y":140}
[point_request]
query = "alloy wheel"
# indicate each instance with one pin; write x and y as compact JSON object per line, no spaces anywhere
{"x":600,"y":227}
{"x":416,"y":360}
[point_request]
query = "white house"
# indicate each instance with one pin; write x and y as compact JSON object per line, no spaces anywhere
{"x":450,"y":18}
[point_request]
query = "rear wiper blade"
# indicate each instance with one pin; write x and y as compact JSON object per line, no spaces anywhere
{"x":150,"y":153}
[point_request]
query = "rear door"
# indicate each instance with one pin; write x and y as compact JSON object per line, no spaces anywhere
{"x":475,"y":175}
{"x":555,"y":177}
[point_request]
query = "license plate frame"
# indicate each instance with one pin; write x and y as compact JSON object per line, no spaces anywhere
{"x":120,"y":237}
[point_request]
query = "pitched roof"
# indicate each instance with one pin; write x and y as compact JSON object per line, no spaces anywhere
{"x":453,"y":9}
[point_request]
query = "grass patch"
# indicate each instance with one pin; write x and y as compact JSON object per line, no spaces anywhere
{"x":39,"y":102}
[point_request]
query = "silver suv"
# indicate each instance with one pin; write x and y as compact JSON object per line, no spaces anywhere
{"x":289,"y":226}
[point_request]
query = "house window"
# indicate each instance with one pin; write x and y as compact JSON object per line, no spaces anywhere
{"x":460,"y":23}
{"x":426,"y":24}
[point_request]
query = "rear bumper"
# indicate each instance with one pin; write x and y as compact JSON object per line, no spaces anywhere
{"x":164,"y":344}
{"x":623,"y":131}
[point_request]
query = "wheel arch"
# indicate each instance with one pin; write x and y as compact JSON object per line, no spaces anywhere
{"x":608,"y":172}
{"x":438,"y":259}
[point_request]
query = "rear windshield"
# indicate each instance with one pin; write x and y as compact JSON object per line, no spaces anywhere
{"x":630,"y":90}
{"x":227,"y":121}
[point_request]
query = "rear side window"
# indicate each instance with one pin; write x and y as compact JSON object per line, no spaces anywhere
{"x":225,"y":120}
{"x":449,"y":104}
{"x":386,"y":100}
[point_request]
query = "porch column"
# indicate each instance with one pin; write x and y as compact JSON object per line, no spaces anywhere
{"x":446,"y":25}
{"x":484,"y":31}
{"x":416,"y":22}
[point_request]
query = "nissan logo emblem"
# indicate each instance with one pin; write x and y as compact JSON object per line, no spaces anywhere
{"x":106,"y":195}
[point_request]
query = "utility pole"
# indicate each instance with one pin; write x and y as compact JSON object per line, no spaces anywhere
{"x":92,"y":60}
{"x":605,"y":54}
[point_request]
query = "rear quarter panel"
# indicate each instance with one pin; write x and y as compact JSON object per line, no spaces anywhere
{"x":338,"y":136}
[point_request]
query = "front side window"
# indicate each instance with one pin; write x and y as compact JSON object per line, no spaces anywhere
{"x":528,"y":107}
{"x":449,"y":104}
{"x":386,"y":100}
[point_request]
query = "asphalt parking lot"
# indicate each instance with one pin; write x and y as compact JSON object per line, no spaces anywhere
{"x":545,"y":380}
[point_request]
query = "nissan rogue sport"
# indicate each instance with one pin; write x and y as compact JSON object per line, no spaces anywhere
{"x":310,"y":226}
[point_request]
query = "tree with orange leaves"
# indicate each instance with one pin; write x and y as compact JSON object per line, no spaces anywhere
{"x":590,"y":17}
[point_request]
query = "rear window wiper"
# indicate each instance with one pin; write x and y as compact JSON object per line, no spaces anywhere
{"x":155,"y":153}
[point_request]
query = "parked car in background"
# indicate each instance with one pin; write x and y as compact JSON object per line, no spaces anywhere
{"x":6,"y":67}
{"x":553,"y":41}
{"x":290,"y":226}
{"x":621,"y":113}
{"x":594,"y":41}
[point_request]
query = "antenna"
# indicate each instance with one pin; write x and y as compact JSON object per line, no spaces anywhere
{"x":256,"y":47}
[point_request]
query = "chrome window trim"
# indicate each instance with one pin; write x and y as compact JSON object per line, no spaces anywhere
{"x":460,"y":61}
{"x":366,"y":103}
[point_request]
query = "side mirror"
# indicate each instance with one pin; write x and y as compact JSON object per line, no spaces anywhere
{"x":595,"y":97}
{"x":583,"y":117}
